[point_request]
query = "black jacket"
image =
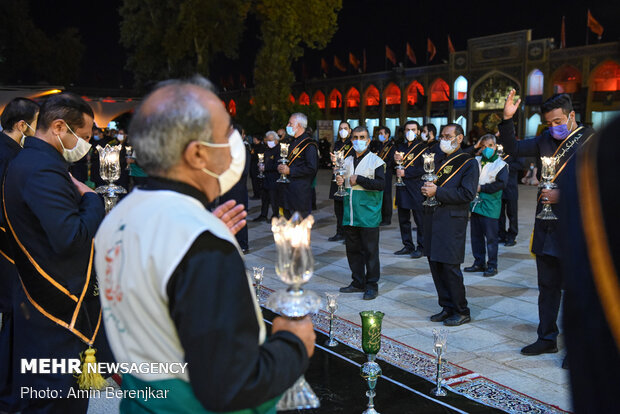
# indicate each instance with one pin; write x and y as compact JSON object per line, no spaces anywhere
{"x":410,"y":196}
{"x":297,"y":195}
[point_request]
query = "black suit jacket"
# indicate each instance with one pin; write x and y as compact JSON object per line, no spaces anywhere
{"x":410,"y":196}
{"x":445,"y":225}
{"x":297,"y":195}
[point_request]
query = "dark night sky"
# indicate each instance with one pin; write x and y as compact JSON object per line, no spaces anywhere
{"x":369,"y":24}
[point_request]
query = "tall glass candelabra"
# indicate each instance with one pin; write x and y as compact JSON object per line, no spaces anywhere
{"x":439,"y":348}
{"x":500,"y":150}
{"x":261,"y":166}
{"x":547,"y":173}
{"x":340,"y":164}
{"x":258,"y":280}
{"x":429,"y":168}
{"x":371,"y":344}
{"x":332,"y":307}
{"x":399,"y":161}
{"x":283,"y":160}
{"x":128,"y":156}
{"x":110,"y":171}
{"x":295,"y":266}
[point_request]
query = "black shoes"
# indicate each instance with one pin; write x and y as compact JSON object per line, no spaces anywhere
{"x":336,"y":237}
{"x":457,"y":320}
{"x":370,"y":294}
{"x":260,"y":218}
{"x":491,"y":271}
{"x":384,"y":223}
{"x":541,"y":346}
{"x":416,"y":254}
{"x":403,"y":251}
{"x":245,"y":251}
{"x":475,"y":268}
{"x":353,"y":289}
{"x":510,"y":243}
{"x":441,"y":316}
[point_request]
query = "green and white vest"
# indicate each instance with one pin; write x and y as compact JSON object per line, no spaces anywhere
{"x":362,"y":207}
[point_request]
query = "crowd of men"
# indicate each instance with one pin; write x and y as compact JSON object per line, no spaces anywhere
{"x":162,"y":276}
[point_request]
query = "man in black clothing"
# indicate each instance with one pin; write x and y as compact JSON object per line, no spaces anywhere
{"x":385,"y":150}
{"x":342,"y":143}
{"x":257,"y":147}
{"x":445,"y":225}
{"x":19,"y":120}
{"x":271,"y":155}
{"x":188,"y":280}
{"x":303,"y":164}
{"x":561,"y":141}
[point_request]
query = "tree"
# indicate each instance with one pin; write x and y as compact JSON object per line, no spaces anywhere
{"x":172,"y":38}
{"x":286,"y":27}
{"x":29,"y":54}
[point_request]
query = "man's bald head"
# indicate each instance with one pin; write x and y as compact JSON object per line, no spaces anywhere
{"x":176,"y":113}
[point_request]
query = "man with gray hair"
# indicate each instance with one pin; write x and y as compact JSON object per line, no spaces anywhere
{"x":173,"y":281}
{"x":269,"y":168}
{"x":303,"y":164}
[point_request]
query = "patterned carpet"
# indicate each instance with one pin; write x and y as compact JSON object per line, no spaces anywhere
{"x":456,"y":378}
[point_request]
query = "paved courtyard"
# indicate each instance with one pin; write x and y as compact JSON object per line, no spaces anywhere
{"x":504,"y":307}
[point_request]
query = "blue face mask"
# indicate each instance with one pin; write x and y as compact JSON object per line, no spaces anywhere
{"x":488,"y":152}
{"x":359,"y":145}
{"x":290,"y":131}
{"x":560,"y":132}
{"x":382,"y":138}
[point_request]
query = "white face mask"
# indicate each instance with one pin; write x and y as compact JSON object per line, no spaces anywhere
{"x":271,"y":144}
{"x":76,"y":153}
{"x":447,"y":146}
{"x":120,"y":137}
{"x":343,"y":133}
{"x":21,"y":142}
{"x":410,"y":135}
{"x":424,"y":136}
{"x":231,"y":176}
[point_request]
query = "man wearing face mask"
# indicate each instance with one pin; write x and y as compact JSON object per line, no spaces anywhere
{"x":362,"y":207}
{"x":342,"y":143}
{"x":445,"y":225}
{"x":181,"y":272}
{"x":408,"y":197}
{"x":486,"y":207}
{"x":303,"y":164}
{"x":269,"y":194}
{"x":19,"y":119}
{"x":385,"y":150}
{"x":561,"y":140}
{"x":51,"y":220}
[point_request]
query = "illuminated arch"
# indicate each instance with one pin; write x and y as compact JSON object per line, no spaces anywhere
{"x":232,"y":107}
{"x":414,"y":91}
{"x":567,"y":79}
{"x":440,"y":91}
{"x":319,"y":99}
{"x":371,"y":96}
{"x":606,"y":78}
{"x":535,"y":83}
{"x":392,"y":94}
{"x":335,"y":99}
{"x":353,"y":98}
{"x":304,"y":99}
{"x":460,"y":88}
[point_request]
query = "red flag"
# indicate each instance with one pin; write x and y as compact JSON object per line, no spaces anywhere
{"x":450,"y":45}
{"x":324,"y":65}
{"x":563,"y":35}
{"x":431,"y":49}
{"x":389,"y":55}
{"x":594,"y":25}
{"x":364,"y":63}
{"x":338,"y":64}
{"x":354,"y":61}
{"x":411,"y":55}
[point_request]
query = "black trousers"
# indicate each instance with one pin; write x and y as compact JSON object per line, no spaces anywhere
{"x":257,"y":185}
{"x":448,"y":280}
{"x":362,"y":245}
{"x":404,"y":222}
{"x":339,"y":210}
{"x":510,"y":209}
{"x":386,"y":207}
{"x":549,"y":296}
{"x":269,"y":198}
{"x":484,"y":234}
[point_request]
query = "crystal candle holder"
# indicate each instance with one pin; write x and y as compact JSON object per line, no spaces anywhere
{"x":547,"y":173}
{"x":283,"y":160}
{"x":331,"y":306}
{"x":430,"y":176}
{"x":399,"y":161}
{"x":340,"y":164}
{"x":110,"y":171}
{"x":258,"y":280}
{"x":440,"y":337}
{"x":261,"y":166}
